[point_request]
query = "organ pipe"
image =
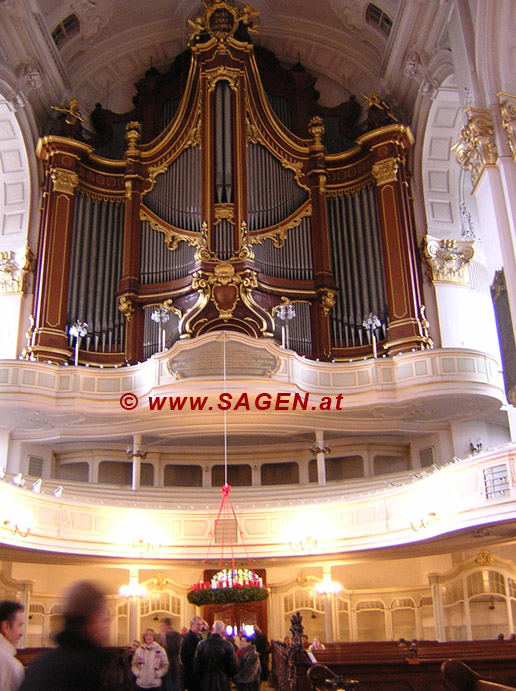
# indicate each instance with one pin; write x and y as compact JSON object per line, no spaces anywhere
{"x":357,"y":265}
{"x":273,"y":193}
{"x":176,"y":195}
{"x":97,"y":251}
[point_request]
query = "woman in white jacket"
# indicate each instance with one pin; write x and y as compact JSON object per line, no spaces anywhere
{"x":149,"y":663}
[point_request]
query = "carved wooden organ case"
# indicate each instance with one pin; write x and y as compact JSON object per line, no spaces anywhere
{"x":226,"y":193}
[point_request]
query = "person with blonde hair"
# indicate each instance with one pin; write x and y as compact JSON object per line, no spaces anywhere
{"x":150,"y":662}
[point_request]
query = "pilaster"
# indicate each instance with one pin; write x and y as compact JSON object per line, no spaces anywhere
{"x":61,"y":156}
{"x":389,"y":147}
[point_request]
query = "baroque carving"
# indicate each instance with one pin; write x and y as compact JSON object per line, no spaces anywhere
{"x":508,"y":112}
{"x":476,"y":147}
{"x":15,"y":267}
{"x":173,"y":236}
{"x":133,"y":135}
{"x":125,"y":305}
{"x":447,"y":259}
{"x":278,"y":234}
{"x":416,"y":69}
{"x":327,"y":301}
{"x":64,"y":181}
{"x":385,"y":171}
{"x":484,"y":558}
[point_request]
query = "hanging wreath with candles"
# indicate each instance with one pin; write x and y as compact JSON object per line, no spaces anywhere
{"x":228,"y":584}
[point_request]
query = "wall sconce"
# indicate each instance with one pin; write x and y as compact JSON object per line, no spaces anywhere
{"x":36,"y":486}
{"x":314,"y":450}
{"x":132,"y":590}
{"x":18,"y":480}
{"x":423,"y":522}
{"x":144,"y":545}
{"x":475,"y":447}
{"x":58,"y":491}
{"x":2,"y":473}
{"x":16,"y":529}
{"x":308,"y":544}
{"x":138,"y":452}
{"x":328,"y":587}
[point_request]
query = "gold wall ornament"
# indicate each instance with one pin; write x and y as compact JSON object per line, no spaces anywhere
{"x":133,"y":135}
{"x":125,"y":305}
{"x":160,"y":581}
{"x":221,"y":20}
{"x":484,"y":557}
{"x":508,"y":113}
{"x":447,"y":259}
{"x":246,"y":249}
{"x":327,"y":301}
{"x":302,"y":577}
{"x":15,"y":267}
{"x":64,"y":180}
{"x":385,"y":171}
{"x":317,"y":130}
{"x":476,"y":147}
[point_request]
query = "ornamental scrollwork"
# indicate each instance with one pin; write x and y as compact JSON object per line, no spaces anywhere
{"x":447,"y":259}
{"x":476,"y":147}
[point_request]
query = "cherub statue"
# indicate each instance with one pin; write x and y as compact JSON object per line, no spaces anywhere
{"x":380,"y":112}
{"x":71,"y":125}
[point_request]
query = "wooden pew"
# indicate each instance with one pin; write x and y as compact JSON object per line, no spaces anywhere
{"x":460,"y":677}
{"x":383,"y":666}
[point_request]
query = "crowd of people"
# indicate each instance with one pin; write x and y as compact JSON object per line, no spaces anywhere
{"x":193,"y":659}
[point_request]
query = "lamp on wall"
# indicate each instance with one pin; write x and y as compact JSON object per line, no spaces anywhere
{"x":16,"y":528}
{"x":36,"y":486}
{"x":307,"y":544}
{"x":58,"y":491}
{"x":132,"y":590}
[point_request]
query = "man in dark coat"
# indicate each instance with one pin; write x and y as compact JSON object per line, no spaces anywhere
{"x":262,"y":648}
{"x":79,"y":663}
{"x":171,"y":641}
{"x":187,"y":653}
{"x":215,"y":661}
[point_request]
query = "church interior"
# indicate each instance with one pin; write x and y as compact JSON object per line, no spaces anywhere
{"x":258,"y":297}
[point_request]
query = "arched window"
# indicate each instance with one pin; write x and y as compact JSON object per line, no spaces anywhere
{"x":377,"y":17}
{"x":70,"y":26}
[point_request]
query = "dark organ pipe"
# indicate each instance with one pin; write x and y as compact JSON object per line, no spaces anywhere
{"x":176,"y":195}
{"x":292,"y":261}
{"x":273,"y":193}
{"x":158,"y":264}
{"x":357,"y":265}
{"x":97,"y":251}
{"x":224,"y":239}
{"x":223,"y":143}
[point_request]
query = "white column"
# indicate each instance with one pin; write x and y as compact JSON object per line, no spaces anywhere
{"x":321,"y":466}
{"x":437,"y":601}
{"x":137,"y":462}
{"x":134,"y":606}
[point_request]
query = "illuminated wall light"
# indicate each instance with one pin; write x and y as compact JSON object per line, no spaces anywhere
{"x":16,"y":529}
{"x":133,"y":590}
{"x":36,"y":486}
{"x":58,"y":491}
{"x":2,"y":473}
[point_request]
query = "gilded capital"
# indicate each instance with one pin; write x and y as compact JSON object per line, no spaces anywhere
{"x":64,"y":180}
{"x":447,"y":259}
{"x":476,"y":147}
{"x":508,"y":113}
{"x":385,"y":171}
{"x":15,"y":267}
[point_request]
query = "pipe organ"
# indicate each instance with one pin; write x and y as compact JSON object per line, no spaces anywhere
{"x":225,"y":193}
